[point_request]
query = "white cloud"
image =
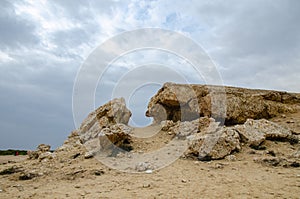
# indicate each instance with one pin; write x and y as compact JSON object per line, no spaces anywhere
{"x":5,"y":57}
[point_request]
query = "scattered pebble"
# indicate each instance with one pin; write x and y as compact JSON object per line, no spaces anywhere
{"x":272,"y":153}
{"x":88,"y":155}
{"x":77,"y":186}
{"x":146,"y":185}
{"x":98,"y":172}
{"x":143,"y":166}
{"x":183,"y":180}
{"x":230,"y":158}
{"x":148,"y":171}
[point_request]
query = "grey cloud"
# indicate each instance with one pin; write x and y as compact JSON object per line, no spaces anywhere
{"x":255,"y":44}
{"x":15,"y":30}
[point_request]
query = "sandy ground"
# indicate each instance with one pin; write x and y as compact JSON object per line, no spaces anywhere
{"x":185,"y":178}
{"x":11,"y":159}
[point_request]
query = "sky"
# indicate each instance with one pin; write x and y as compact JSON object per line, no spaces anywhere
{"x":43,"y":44}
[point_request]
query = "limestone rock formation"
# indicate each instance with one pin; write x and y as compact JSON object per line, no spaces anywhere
{"x":191,"y":113}
{"x":215,"y":145}
{"x":181,"y":102}
{"x":206,"y":139}
{"x":106,"y":127}
{"x":42,"y":152}
{"x":44,"y":148}
{"x":73,"y":142}
{"x":254,"y":132}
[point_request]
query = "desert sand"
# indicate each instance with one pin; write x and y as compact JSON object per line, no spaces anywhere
{"x":185,"y":178}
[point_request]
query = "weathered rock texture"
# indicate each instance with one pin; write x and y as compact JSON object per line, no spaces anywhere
{"x":192,"y":113}
{"x":181,"y":102}
{"x":42,"y":152}
{"x":208,"y":140}
{"x":106,"y":127}
{"x":255,"y":132}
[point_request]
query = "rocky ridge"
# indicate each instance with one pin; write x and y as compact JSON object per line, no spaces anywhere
{"x":182,"y":102}
{"x":106,"y":130}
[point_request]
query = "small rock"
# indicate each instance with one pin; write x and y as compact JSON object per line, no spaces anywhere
{"x":143,"y":166}
{"x":295,"y":164}
{"x":75,"y":155}
{"x":230,"y":158}
{"x":290,"y":122}
{"x":77,"y":186}
{"x":183,"y":180}
{"x":272,"y":161}
{"x":272,"y":153}
{"x":120,"y":155}
{"x":98,"y":172}
{"x":219,"y":166}
{"x":27,"y":176}
{"x":43,"y":148}
{"x":146,"y":185}
{"x":88,"y":155}
{"x":46,"y":155}
{"x":148,"y":171}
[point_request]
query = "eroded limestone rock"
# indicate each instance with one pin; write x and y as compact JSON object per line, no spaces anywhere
{"x":254,"y":132}
{"x":215,"y":144}
{"x":39,"y":152}
{"x":106,"y":127}
{"x":181,"y":102}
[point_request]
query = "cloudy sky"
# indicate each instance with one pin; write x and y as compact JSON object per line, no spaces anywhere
{"x":254,"y":44}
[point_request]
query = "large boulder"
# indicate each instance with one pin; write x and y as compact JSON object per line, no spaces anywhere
{"x":206,"y":139}
{"x":213,"y":144}
{"x":106,"y":127}
{"x":182,"y":102}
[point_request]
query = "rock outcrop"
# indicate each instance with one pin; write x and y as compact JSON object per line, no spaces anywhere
{"x":42,"y":151}
{"x":255,"y":132}
{"x":207,"y":140}
{"x":106,"y":127}
{"x":181,"y":102}
{"x":190,"y":114}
